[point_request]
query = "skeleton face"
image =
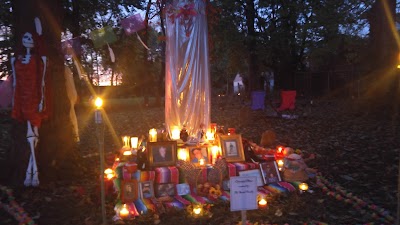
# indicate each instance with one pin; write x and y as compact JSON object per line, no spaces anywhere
{"x":27,"y":40}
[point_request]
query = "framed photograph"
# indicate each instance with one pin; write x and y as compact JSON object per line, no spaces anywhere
{"x":129,"y":190}
{"x":253,"y":173}
{"x":183,"y":189}
{"x":270,"y":172}
{"x":162,"y":153}
{"x":146,"y":189}
{"x":198,"y":153}
{"x":163,"y":190}
{"x":232,"y":147}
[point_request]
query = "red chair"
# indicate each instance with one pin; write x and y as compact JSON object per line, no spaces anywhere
{"x":288,"y":101}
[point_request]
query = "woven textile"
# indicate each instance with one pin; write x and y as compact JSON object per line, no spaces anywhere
{"x":142,"y":176}
{"x":165,"y":175}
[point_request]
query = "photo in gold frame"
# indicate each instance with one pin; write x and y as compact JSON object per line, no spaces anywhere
{"x":232,"y":147}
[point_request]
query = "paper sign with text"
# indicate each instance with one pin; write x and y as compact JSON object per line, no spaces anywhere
{"x":243,"y":193}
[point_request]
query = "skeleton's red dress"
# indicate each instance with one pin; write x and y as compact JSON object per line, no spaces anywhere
{"x":28,"y":91}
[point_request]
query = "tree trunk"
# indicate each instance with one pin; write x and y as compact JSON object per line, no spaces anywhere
{"x":254,"y":77}
{"x":54,"y":152}
{"x":161,"y":84}
{"x":383,"y":44}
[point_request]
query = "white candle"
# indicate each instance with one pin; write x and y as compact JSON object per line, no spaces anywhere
{"x":152,"y":135}
{"x":280,"y":164}
{"x":214,"y":153}
{"x":134,"y":142}
{"x":201,"y":162}
{"x":125,"y":141}
{"x":210,"y":135}
{"x":182,"y":154}
{"x":124,"y":212}
{"x":175,"y":133}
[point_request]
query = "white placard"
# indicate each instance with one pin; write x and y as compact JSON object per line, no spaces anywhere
{"x":253,"y":173}
{"x":243,"y":193}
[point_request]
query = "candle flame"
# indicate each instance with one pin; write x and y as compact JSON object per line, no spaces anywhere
{"x":197,"y":210}
{"x":262,"y":202}
{"x":124,"y":212}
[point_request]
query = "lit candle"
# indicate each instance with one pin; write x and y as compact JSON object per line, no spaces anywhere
{"x":109,"y":173}
{"x":214,"y":153}
{"x":280,"y":164}
{"x":197,"y":210}
{"x":175,"y":133}
{"x":303,"y":187}
{"x":210,"y":135}
{"x":153,"y":135}
{"x":127,"y":152}
{"x":134,"y":142}
{"x":183,"y":154}
{"x":124,"y":212}
{"x":231,"y":130}
{"x":201,"y":161}
{"x":262,"y":203}
{"x":125,"y":141}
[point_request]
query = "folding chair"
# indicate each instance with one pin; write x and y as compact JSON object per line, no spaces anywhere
{"x":287,"y":108}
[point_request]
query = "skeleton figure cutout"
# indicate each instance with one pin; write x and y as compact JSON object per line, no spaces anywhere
{"x":29,"y":69}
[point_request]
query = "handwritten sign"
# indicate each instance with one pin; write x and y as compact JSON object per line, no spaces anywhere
{"x":243,"y":193}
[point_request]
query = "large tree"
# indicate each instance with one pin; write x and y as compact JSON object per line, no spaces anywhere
{"x":55,"y":152}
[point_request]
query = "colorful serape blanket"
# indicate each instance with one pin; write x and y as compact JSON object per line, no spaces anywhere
{"x":167,"y":175}
{"x":234,"y":168}
{"x":142,"y":176}
{"x":225,"y":196}
{"x":193,"y":198}
{"x":178,"y":202}
{"x":145,"y":205}
{"x":280,"y":187}
{"x":132,"y":209}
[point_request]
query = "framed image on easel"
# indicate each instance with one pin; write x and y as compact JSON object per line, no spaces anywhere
{"x":232,"y":147}
{"x":270,"y":172}
{"x":129,"y":191}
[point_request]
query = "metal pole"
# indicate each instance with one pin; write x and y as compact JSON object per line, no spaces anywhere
{"x":244,"y":217}
{"x":100,"y":138}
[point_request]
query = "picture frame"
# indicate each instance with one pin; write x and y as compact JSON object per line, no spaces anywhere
{"x":198,"y":152}
{"x":270,"y":172}
{"x":164,"y":190}
{"x":253,"y":173}
{"x":183,"y":189}
{"x":146,"y":189}
{"x":129,"y":191}
{"x":232,"y":147}
{"x":162,"y":153}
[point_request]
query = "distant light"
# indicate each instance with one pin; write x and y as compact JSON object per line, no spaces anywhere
{"x":98,"y":102}
{"x":398,"y":66}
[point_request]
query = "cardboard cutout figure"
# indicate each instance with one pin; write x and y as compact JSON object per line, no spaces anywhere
{"x":29,"y":69}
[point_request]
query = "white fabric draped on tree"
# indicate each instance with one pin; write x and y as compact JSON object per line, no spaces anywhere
{"x":187,"y":79}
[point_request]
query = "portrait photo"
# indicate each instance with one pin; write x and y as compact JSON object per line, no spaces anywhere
{"x":163,"y":190}
{"x":232,"y":147}
{"x":162,"y":153}
{"x":270,"y":172}
{"x":198,"y":153}
{"x":146,"y":189}
{"x":129,"y":190}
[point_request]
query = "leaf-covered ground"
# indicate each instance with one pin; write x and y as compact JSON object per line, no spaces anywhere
{"x":356,"y":147}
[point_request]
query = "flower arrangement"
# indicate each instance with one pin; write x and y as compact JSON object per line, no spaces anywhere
{"x":185,"y":12}
{"x":210,"y":190}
